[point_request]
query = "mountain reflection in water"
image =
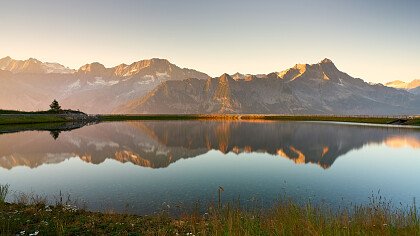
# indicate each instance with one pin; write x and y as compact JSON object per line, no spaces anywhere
{"x":157,"y":144}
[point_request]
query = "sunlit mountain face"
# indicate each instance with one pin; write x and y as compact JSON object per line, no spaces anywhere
{"x":161,"y":87}
{"x":412,"y":87}
{"x":157,"y":144}
{"x":319,"y":88}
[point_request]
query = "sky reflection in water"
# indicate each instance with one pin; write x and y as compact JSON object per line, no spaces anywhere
{"x":142,"y":167}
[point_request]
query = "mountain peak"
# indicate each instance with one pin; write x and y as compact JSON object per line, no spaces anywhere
{"x":151,"y":62}
{"x":245,"y":77}
{"x":324,"y":70}
{"x":225,"y":76}
{"x":159,"y":60}
{"x":34,"y":60}
{"x":326,"y":61}
{"x":301,"y":67}
{"x":93,"y":69}
{"x":6,"y":58}
{"x":327,"y":64}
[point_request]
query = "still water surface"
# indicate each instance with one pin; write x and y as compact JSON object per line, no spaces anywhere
{"x":146,"y":166}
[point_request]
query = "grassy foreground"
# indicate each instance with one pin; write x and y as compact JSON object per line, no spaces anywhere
{"x":414,"y":120}
{"x":285,"y":218}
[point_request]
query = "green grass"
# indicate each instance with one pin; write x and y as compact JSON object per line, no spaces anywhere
{"x":285,"y":218}
{"x":31,"y":119}
{"x":37,"y":112}
{"x":20,"y":112}
{"x":19,"y":117}
{"x":65,"y":220}
{"x":8,"y":117}
{"x":30,"y":214}
{"x":354,"y":119}
{"x":414,"y":122}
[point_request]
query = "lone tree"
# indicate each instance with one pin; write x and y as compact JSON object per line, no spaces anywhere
{"x":55,"y":106}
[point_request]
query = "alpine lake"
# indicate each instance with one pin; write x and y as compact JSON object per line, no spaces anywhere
{"x":144,"y":167}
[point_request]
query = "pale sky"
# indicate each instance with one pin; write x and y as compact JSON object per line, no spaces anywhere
{"x":377,"y":41}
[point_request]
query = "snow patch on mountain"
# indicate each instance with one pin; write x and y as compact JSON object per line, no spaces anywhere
{"x":163,"y":75}
{"x":148,"y":77}
{"x":101,"y":82}
{"x":75,"y":85}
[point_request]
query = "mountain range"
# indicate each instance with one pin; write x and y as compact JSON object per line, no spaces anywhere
{"x":158,"y":86}
{"x":32,"y":66}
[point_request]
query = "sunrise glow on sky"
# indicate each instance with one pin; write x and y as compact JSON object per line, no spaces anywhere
{"x":377,"y":41}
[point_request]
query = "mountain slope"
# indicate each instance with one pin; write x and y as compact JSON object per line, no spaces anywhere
{"x":304,"y":89}
{"x":33,"y":66}
{"x":100,"y":90}
{"x":415,"y":90}
{"x":93,"y":88}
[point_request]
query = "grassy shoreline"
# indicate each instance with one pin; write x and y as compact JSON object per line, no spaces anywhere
{"x":32,"y":119}
{"x":29,"y":214}
{"x":10,"y":117}
{"x":47,"y":117}
{"x":285,"y":218}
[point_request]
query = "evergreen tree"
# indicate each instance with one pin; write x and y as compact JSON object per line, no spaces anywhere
{"x":55,"y":106}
